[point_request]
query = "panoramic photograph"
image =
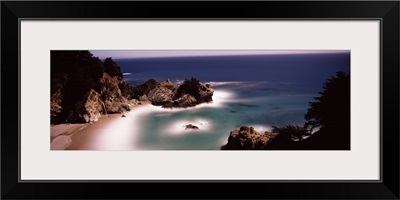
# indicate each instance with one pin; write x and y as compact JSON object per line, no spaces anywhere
{"x":200,"y":100}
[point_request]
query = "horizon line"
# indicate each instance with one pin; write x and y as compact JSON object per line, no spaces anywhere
{"x":148,"y":54}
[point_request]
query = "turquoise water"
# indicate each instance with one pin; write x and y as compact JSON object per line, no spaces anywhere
{"x":164,"y":129}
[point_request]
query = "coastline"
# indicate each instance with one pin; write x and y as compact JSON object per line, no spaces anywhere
{"x":82,"y":136}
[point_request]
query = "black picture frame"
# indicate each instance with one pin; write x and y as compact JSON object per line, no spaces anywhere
{"x":13,"y":11}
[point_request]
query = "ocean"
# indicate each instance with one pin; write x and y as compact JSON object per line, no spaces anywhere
{"x":260,"y":91}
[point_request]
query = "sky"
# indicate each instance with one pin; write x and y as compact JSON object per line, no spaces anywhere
{"x":118,"y":54}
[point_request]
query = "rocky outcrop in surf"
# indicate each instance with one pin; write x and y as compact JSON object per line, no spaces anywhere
{"x":190,"y":93}
{"x":246,"y":138}
{"x":191,"y":127}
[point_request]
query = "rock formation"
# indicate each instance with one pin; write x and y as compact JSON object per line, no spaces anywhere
{"x":55,"y":105}
{"x":167,"y":95}
{"x":160,"y":95}
{"x":83,"y":88}
{"x":246,"y":138}
{"x":113,"y":94}
{"x":110,"y":91}
{"x":108,"y":99}
{"x":89,"y":109}
{"x":141,"y":91}
{"x":191,"y":126}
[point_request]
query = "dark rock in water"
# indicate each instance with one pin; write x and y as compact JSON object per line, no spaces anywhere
{"x":246,"y":138}
{"x":191,"y":126}
{"x":204,"y":93}
{"x":123,"y":116}
{"x":89,"y":109}
{"x":140,"y":90}
{"x":167,"y":95}
{"x":184,"y":101}
{"x":160,"y":96}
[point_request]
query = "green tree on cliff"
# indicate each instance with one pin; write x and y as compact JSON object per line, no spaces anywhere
{"x":112,"y":68}
{"x":332,"y":108}
{"x":80,"y":68}
{"x":189,"y":86}
{"x":331,"y":113}
{"x":291,"y":131}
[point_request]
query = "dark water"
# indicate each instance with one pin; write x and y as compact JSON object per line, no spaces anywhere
{"x":306,"y":70}
{"x":261,"y":91}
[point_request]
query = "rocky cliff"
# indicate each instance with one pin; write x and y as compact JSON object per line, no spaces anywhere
{"x":106,"y":100}
{"x":111,"y":94}
{"x":89,"y":109}
{"x":246,"y":138}
{"x":83,"y":88}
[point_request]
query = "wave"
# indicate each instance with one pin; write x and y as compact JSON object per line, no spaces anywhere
{"x":118,"y":134}
{"x":245,"y":86}
{"x":225,"y":83}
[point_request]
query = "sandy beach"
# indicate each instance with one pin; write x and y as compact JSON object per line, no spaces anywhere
{"x":88,"y":136}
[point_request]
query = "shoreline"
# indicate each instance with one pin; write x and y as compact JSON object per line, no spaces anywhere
{"x":78,"y":136}
{"x":114,"y":132}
